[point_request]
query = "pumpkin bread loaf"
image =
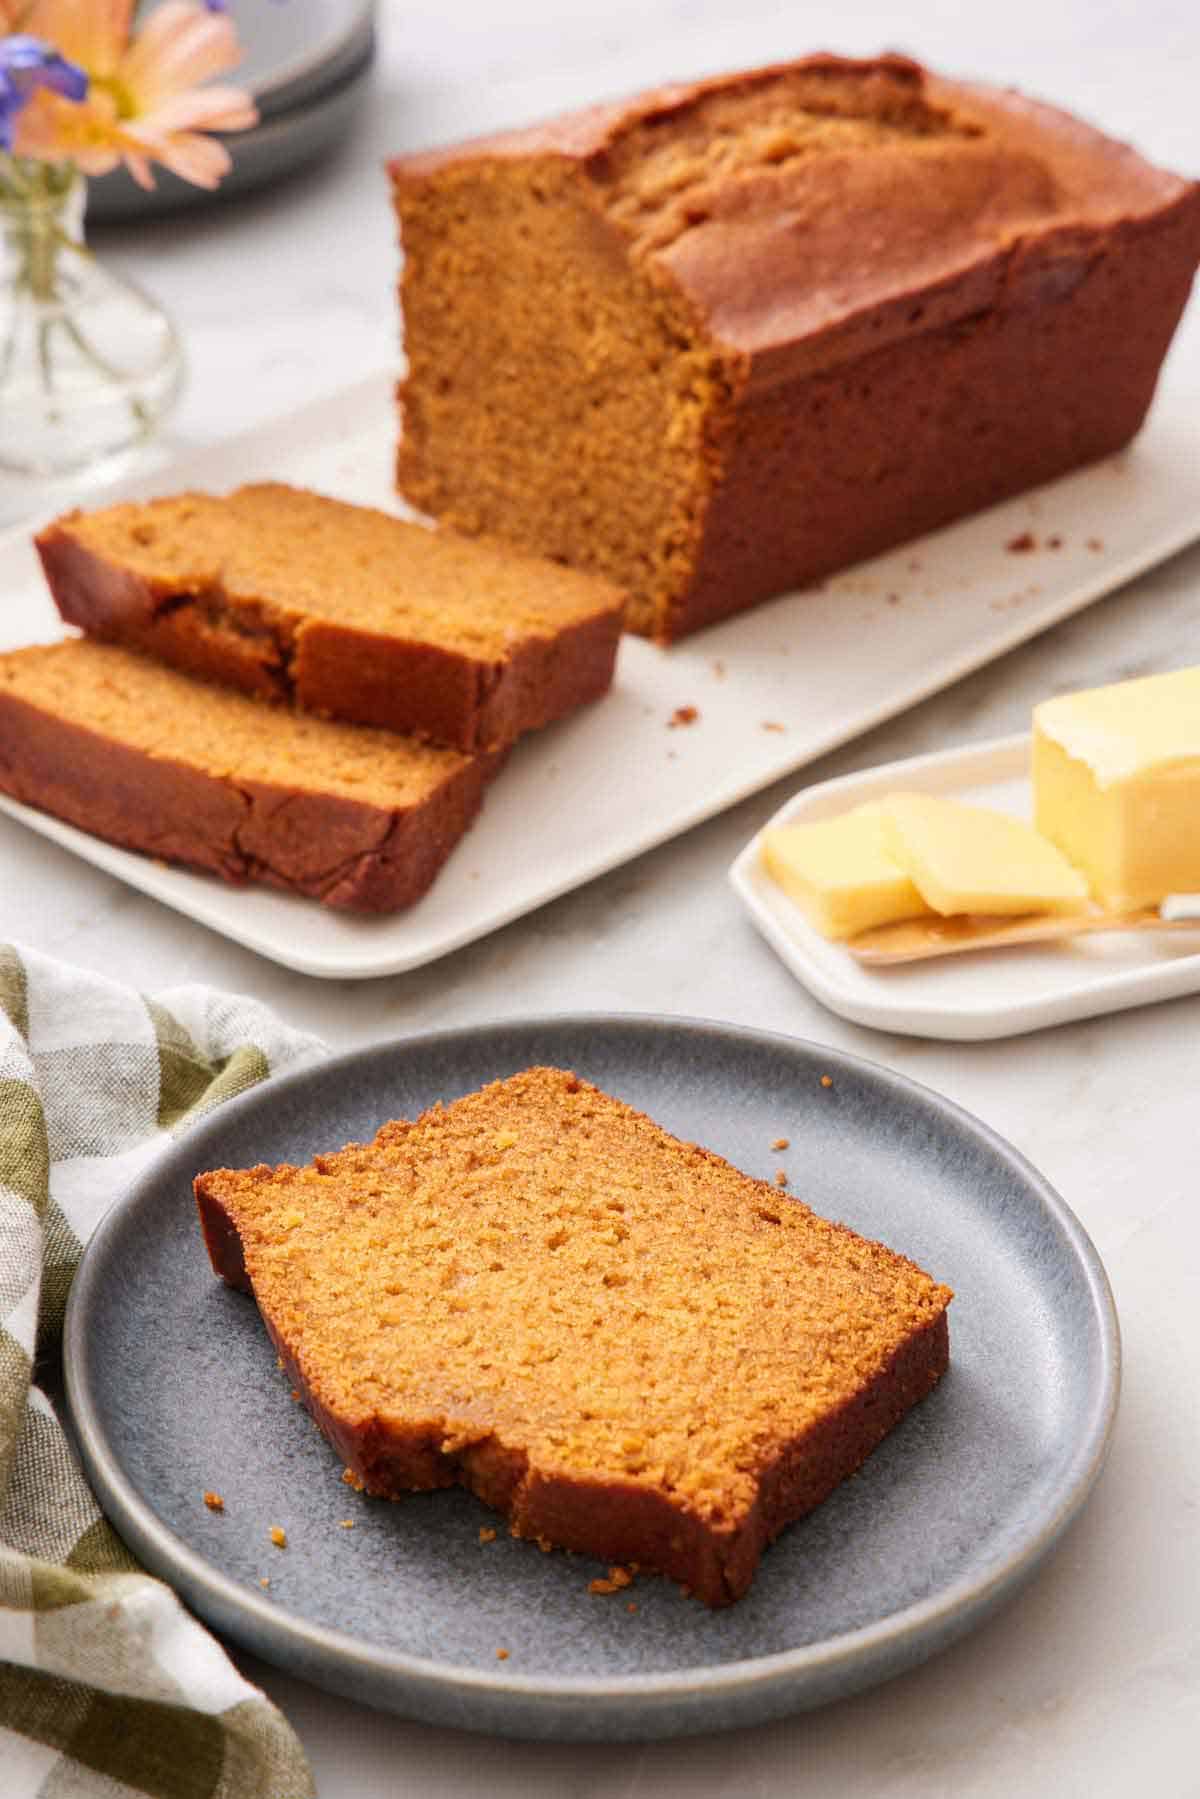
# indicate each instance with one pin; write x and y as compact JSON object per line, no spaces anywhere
{"x":721,"y":339}
{"x":157,"y":761}
{"x":609,"y":1335}
{"x":289,"y":595}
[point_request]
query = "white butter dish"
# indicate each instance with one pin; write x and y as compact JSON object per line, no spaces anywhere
{"x":989,"y":993}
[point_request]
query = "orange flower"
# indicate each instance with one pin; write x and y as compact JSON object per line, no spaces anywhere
{"x":145,"y":101}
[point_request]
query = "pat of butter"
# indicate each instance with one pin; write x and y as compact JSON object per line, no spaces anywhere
{"x":970,"y":859}
{"x":839,"y":873}
{"x":1116,"y":784}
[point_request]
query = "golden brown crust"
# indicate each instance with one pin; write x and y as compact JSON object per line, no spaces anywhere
{"x":959,"y":419}
{"x":855,"y":260}
{"x":291,"y":596}
{"x":611,"y":1336}
{"x":591,"y":131}
{"x":95,"y":764}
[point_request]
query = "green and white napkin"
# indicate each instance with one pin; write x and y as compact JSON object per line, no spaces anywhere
{"x":108,"y":1686}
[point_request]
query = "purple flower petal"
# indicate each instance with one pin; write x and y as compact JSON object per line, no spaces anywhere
{"x":26,"y":64}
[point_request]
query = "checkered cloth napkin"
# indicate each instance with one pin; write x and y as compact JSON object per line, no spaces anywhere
{"x":108,"y":1687}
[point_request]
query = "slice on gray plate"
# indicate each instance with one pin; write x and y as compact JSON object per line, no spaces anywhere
{"x":174,"y":1389}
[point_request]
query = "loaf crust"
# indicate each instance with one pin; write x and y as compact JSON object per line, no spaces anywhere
{"x":288,"y":595}
{"x":609,"y":1335}
{"x":102,"y":738}
{"x":762,"y":326}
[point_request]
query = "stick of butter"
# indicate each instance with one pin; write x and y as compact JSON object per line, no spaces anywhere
{"x":1116,"y":784}
{"x":839,"y":873}
{"x":970,"y":859}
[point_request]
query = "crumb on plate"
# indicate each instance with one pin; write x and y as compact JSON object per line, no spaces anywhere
{"x":613,"y":1582}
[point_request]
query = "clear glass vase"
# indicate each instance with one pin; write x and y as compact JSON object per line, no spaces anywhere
{"x":89,"y":364}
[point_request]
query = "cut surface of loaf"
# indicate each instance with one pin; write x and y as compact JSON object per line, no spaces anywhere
{"x":723,"y":338}
{"x":289,"y":595}
{"x":610,"y":1335}
{"x":157,"y":761}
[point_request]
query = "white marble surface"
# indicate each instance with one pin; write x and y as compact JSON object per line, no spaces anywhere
{"x":1089,"y":1683}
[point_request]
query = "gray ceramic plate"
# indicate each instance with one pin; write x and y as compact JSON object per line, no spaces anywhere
{"x":174,"y":1389}
{"x":295,"y":49}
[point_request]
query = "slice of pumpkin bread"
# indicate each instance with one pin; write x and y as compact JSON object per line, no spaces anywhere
{"x":609,"y":1335}
{"x":156,"y":761}
{"x":289,"y":595}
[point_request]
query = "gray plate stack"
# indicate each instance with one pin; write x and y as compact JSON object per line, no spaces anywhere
{"x":306,"y":65}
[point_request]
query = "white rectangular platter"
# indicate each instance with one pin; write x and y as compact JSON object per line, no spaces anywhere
{"x":772,"y":689}
{"x":987,"y":993}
